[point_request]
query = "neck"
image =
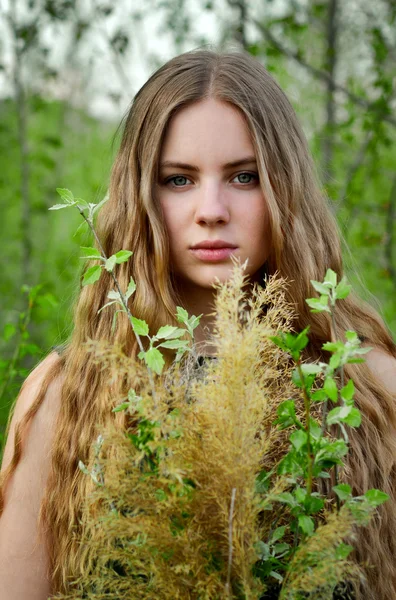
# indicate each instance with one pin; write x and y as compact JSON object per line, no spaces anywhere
{"x":200,"y":301}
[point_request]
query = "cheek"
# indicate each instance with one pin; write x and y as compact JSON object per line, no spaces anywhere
{"x":174,"y":222}
{"x":256,"y":221}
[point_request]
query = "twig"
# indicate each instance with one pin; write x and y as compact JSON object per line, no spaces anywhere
{"x":341,"y":370}
{"x":243,"y":17}
{"x":230,"y":519}
{"x":318,"y":73}
{"x":307,"y":406}
{"x":116,"y":55}
{"x":22,"y":116}
{"x":331,"y":58}
{"x":122,"y":297}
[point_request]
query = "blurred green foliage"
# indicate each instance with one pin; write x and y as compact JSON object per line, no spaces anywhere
{"x":66,"y":147}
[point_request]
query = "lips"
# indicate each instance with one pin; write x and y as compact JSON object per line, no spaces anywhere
{"x":213,"y":244}
{"x":213,"y":254}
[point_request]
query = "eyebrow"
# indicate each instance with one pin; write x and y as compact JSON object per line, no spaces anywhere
{"x":229,"y":165}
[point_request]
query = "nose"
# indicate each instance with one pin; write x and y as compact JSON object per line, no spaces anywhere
{"x":211,"y":207}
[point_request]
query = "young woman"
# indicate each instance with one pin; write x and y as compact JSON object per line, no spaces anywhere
{"x":212,"y":163}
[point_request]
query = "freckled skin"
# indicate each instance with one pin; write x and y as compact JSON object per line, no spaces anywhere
{"x":213,"y":203}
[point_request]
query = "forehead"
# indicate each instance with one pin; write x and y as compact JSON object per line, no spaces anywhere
{"x":208,"y":130}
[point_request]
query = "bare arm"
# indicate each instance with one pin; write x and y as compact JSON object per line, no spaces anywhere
{"x":23,"y":554}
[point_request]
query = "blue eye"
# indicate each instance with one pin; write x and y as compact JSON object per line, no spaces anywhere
{"x":181,"y":180}
{"x":175,"y":179}
{"x":249,"y":175}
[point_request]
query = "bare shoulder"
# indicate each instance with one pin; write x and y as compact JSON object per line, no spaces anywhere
{"x":383,"y":366}
{"x":24,"y":560}
{"x":42,"y":424}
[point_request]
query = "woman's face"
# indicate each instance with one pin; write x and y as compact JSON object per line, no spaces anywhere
{"x":206,"y":197}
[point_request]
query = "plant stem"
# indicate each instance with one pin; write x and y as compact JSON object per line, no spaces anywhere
{"x":230,"y":519}
{"x":341,"y":371}
{"x":307,"y":406}
{"x":122,"y":297}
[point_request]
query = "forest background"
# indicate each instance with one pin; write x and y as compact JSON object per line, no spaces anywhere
{"x":68,"y":72}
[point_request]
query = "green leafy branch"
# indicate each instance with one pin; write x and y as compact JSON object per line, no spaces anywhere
{"x":312,"y":453}
{"x":167,"y":336}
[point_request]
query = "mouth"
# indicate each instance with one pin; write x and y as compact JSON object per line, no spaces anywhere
{"x":213,"y":254}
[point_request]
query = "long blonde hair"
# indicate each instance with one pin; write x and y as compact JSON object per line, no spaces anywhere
{"x":306,"y":242}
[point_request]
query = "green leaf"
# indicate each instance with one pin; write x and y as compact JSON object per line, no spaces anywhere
{"x":286,"y":498}
{"x":321,"y":287}
{"x":354,"y":418}
{"x":343,"y":289}
{"x":376,"y":497}
{"x":169,"y":331}
{"x":310,"y":369}
{"x":319,"y":396}
{"x":279,"y":340}
{"x":351,"y":336}
{"x":278,"y":534}
{"x":181,"y":314}
{"x":343,"y":551}
{"x":9,"y":331}
{"x":337,"y":415}
{"x":313,"y":504}
{"x":345,"y":414}
{"x":280,"y":548}
{"x":300,"y":494}
{"x":263,"y":550}
{"x":335,"y":361}
{"x":122,"y":256}
{"x":174,"y":344}
{"x":343,"y":491}
{"x":83,"y":468}
{"x":262,"y":482}
{"x":59,"y":206}
{"x":333,"y":346}
{"x":361,"y":351}
{"x":130,"y":289}
{"x":110,"y":263}
{"x":315,"y":429}
{"x":139,"y":326}
{"x":296,"y":379}
{"x":306,"y":524}
{"x":330,"y":278}
{"x":193,"y":321}
{"x":154,"y":360}
{"x":92,"y":275}
{"x":318,"y":305}
{"x":66,"y":195}
{"x":81,"y":203}
{"x":298,"y":439}
{"x":90,"y":252}
{"x":301,"y":341}
{"x":121,"y":407}
{"x":114,"y":295}
{"x":330,"y":387}
{"x":286,"y":412}
{"x":276,"y":575}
